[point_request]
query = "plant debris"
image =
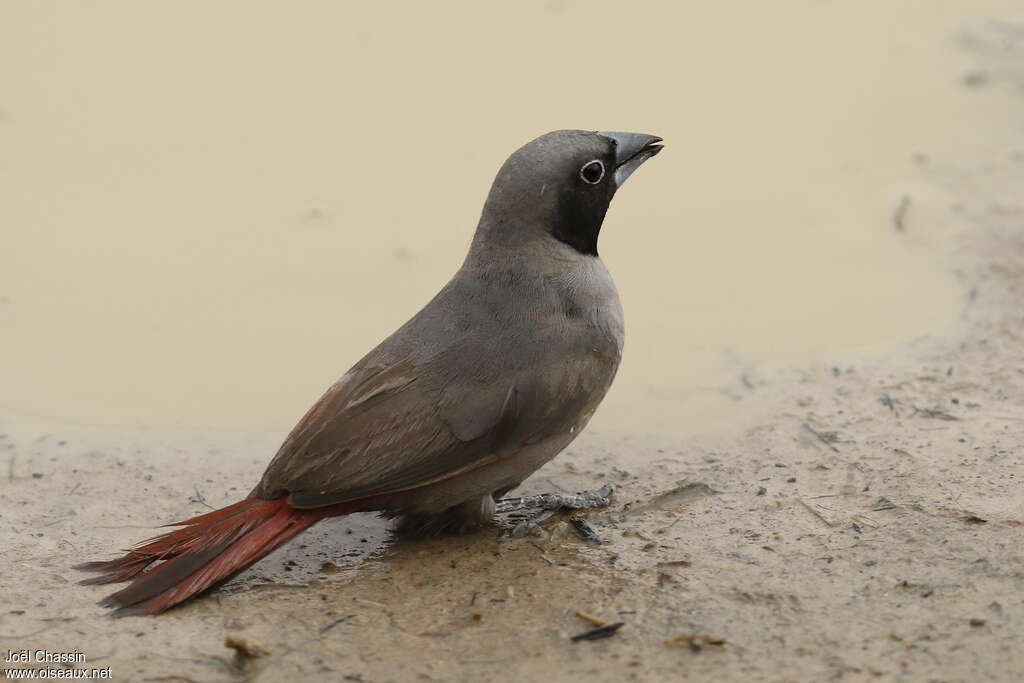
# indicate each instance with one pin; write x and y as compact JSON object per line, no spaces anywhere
{"x":932,"y":414}
{"x":596,"y":621}
{"x":341,"y":620}
{"x":693,"y":641}
{"x":675,"y":563}
{"x":245,"y":650}
{"x":827,"y":438}
{"x":606,"y":631}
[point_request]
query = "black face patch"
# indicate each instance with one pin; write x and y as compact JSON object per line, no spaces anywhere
{"x":581,"y":207}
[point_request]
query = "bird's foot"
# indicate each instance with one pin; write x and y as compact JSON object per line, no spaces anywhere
{"x":549,"y":504}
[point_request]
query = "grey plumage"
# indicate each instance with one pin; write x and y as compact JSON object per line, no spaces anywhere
{"x":498,"y":373}
{"x":490,"y":380}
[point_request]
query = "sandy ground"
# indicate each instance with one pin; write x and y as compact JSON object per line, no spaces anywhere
{"x":856,"y":518}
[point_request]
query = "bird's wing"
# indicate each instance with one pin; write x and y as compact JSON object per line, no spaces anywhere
{"x":389,"y":426}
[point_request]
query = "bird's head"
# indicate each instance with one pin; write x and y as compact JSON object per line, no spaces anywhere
{"x":560,"y":185}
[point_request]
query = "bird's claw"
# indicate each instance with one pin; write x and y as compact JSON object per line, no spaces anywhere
{"x":550,"y":503}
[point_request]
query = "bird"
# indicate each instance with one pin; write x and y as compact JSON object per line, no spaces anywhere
{"x":490,"y":380}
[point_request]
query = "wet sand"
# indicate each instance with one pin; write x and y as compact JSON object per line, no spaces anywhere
{"x":841,"y":502}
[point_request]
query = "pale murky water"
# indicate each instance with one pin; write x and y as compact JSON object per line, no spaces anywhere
{"x":211,"y":210}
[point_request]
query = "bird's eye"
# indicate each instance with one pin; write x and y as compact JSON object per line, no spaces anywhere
{"x":592,"y":172}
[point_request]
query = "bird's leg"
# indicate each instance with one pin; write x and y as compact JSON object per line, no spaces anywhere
{"x":549,"y":504}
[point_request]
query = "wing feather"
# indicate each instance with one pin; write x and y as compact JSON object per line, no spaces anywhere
{"x":441,"y":396}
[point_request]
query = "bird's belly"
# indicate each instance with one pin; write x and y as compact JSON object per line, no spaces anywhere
{"x":502,"y":475}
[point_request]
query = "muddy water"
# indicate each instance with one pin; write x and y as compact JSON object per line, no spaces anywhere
{"x":210,"y":211}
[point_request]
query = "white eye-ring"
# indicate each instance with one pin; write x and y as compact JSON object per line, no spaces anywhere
{"x":592,"y":172}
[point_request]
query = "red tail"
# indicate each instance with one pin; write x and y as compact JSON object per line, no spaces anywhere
{"x":210,"y":549}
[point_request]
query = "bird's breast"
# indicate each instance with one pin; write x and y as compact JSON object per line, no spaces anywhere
{"x":589,"y":297}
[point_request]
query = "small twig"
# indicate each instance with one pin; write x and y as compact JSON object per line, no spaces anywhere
{"x":933,"y":414}
{"x":334,"y":623}
{"x":371,"y":603}
{"x":543,"y":555}
{"x":674,"y":563}
{"x":815,"y":512}
{"x":594,"y":621}
{"x":675,"y":521}
{"x":598,"y":633}
{"x":821,"y":437}
{"x":694,"y":642}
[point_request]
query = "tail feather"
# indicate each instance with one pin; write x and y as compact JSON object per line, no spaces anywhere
{"x":218,"y":514}
{"x":248,"y":549}
{"x":163,"y":547}
{"x":210,"y":549}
